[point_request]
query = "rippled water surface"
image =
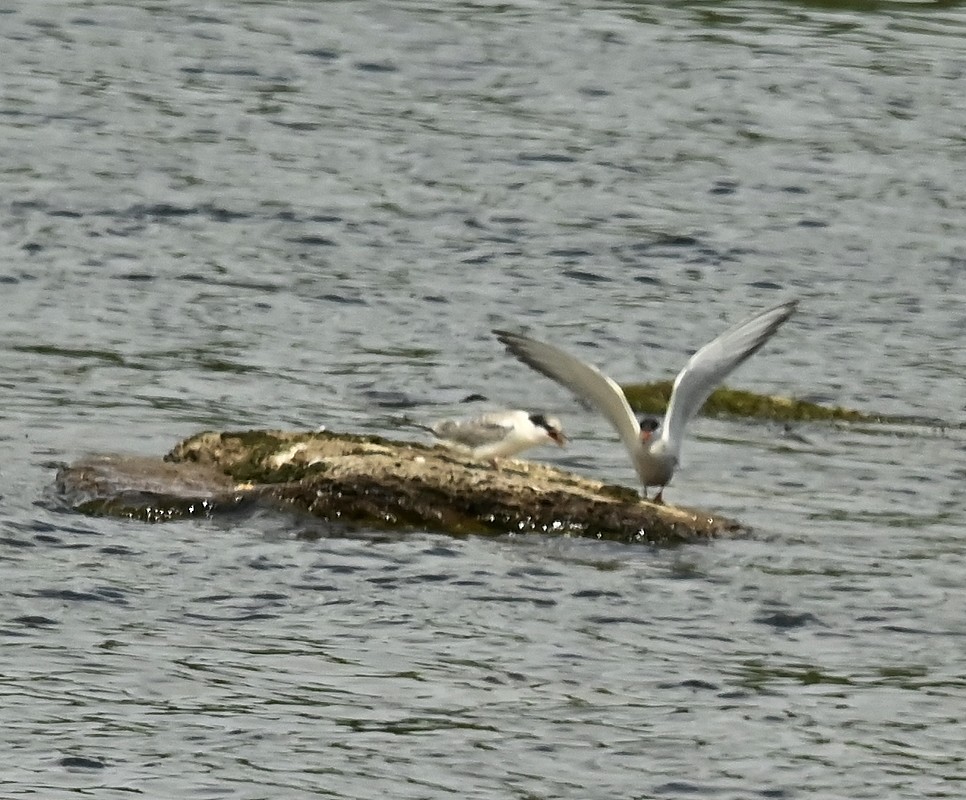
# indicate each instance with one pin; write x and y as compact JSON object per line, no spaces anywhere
{"x":246,"y":215}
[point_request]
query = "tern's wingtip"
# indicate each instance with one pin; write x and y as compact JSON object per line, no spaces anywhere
{"x":508,"y":338}
{"x":783,"y":310}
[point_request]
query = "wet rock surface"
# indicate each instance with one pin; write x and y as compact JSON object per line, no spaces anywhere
{"x":372,"y":482}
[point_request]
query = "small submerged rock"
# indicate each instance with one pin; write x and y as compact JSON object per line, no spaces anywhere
{"x":372,"y":482}
{"x":652,"y":398}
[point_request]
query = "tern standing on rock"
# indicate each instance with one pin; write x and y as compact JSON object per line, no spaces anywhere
{"x":499,"y":434}
{"x":655,"y":449}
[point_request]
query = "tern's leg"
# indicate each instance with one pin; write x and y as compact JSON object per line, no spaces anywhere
{"x":659,"y":497}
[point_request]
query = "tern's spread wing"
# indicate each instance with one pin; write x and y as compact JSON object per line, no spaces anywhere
{"x":587,"y":382}
{"x":476,"y":432}
{"x":713,"y":362}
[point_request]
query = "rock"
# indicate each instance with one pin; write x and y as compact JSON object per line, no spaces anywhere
{"x":652,"y":398}
{"x":368,"y":481}
{"x":144,"y":488}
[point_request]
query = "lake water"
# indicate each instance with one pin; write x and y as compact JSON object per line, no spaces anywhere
{"x":251,"y":215}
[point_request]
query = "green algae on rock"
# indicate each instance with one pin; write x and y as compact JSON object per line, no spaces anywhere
{"x":372,"y":482}
{"x":652,"y":398}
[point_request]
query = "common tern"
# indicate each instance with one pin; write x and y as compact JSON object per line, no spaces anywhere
{"x":499,"y":434}
{"x":654,"y":447}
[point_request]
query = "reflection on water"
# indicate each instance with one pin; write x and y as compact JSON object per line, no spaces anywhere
{"x":265,"y":215}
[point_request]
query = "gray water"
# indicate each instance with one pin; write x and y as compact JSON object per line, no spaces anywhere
{"x":252,"y":215}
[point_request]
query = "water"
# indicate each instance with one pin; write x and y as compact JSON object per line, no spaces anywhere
{"x":283,"y":214}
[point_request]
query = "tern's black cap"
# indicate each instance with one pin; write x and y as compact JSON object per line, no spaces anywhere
{"x":540,"y":420}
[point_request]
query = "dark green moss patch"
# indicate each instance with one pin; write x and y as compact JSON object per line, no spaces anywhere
{"x":652,"y":398}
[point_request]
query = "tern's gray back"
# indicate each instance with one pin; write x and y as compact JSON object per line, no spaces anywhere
{"x":476,"y":432}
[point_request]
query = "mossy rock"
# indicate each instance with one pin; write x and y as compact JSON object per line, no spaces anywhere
{"x":652,"y":398}
{"x":372,"y":482}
